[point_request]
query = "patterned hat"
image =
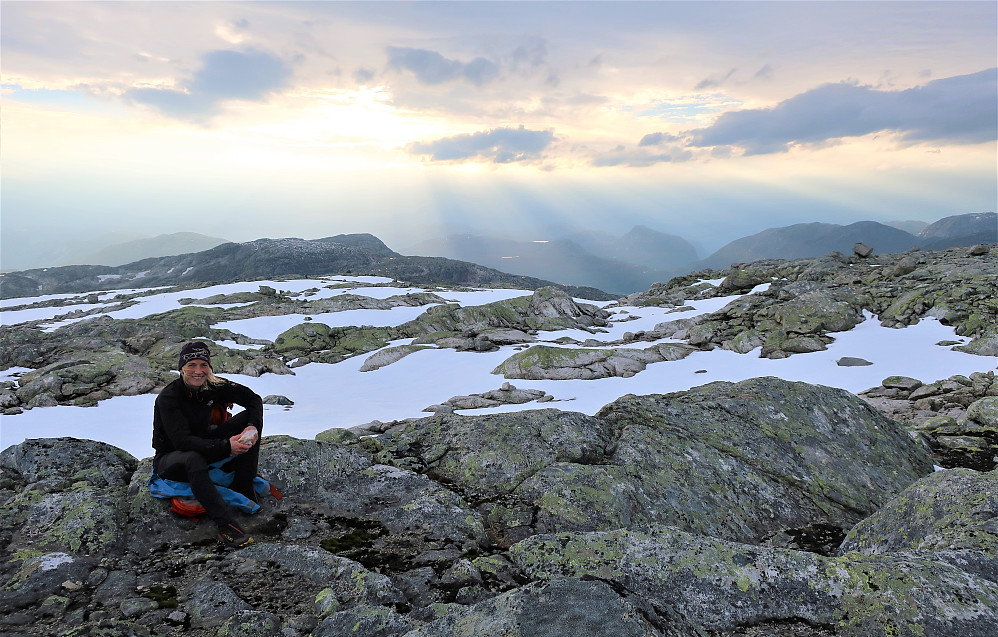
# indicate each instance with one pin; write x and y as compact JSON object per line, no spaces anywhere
{"x":194,"y":351}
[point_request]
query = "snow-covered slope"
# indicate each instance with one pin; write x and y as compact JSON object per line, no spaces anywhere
{"x":340,"y":395}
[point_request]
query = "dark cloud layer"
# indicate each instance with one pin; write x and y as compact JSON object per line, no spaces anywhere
{"x":430,"y":67}
{"x":224,"y":75}
{"x":960,"y":110}
{"x":500,"y":146}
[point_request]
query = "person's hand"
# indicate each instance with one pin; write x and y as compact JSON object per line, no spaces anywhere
{"x":237,"y":447}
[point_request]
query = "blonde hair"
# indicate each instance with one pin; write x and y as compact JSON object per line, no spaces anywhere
{"x":210,"y":377}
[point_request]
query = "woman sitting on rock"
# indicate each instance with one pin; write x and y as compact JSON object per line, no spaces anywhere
{"x":186,"y":441}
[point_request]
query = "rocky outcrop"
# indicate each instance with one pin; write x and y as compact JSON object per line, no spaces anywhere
{"x":506,"y":395}
{"x":952,"y":510}
{"x":956,"y":416}
{"x":682,"y":514}
{"x":767,"y":590}
{"x":810,"y":299}
{"x":100,"y":357}
{"x":547,"y":362}
{"x":480,"y":328}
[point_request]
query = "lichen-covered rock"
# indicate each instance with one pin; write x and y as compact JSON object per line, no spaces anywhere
{"x":441,"y":526}
{"x":388,"y":356}
{"x":347,"y":581}
{"x":740,"y":461}
{"x":324,"y":344}
{"x":718,"y":586}
{"x":545,"y":362}
{"x":953,"y":510}
{"x":69,"y":498}
{"x":32,"y":576}
{"x":940,"y":413}
{"x":376,"y":507}
{"x":985,"y":413}
{"x":562,"y":606}
{"x":212,"y":603}
{"x":487,"y":456}
{"x":370,"y":621}
{"x":743,"y":461}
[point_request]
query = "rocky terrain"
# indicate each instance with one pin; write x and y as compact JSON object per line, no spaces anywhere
{"x":764,"y":507}
{"x":798,"y":307}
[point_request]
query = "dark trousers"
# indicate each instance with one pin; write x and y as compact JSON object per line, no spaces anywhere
{"x":192,"y":467}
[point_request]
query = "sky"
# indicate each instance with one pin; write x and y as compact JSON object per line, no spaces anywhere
{"x":432,"y":376}
{"x":413,"y":120}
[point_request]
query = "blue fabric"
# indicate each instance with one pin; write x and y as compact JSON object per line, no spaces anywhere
{"x":163,"y":488}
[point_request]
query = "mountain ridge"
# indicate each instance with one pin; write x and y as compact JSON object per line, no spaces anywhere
{"x":345,"y":254}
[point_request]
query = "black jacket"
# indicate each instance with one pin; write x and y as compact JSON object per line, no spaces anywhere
{"x":182,"y":417}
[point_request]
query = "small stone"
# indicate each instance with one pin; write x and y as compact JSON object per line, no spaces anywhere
{"x":136,"y":606}
{"x":862,"y":250}
{"x":277,"y":399}
{"x":177,"y":617}
{"x":904,"y":383}
{"x":852,"y":361}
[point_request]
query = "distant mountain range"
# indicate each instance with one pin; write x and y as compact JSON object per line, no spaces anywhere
{"x":264,"y":258}
{"x":162,"y":246}
{"x":816,"y":239}
{"x":586,"y":264}
{"x":636,"y":260}
{"x":623,"y":264}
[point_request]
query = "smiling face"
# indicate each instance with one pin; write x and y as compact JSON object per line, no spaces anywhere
{"x":195,"y":373}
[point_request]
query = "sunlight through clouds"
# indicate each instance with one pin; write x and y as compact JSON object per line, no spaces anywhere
{"x":676,"y":115}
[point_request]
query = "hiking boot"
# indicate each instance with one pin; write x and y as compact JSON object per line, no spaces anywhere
{"x":231,"y":535}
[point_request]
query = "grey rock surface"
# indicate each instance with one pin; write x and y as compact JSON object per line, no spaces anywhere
{"x":706,"y":512}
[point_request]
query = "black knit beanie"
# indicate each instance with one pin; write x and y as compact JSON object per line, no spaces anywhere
{"x":194,"y":351}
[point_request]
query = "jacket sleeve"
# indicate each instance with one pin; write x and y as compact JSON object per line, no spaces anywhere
{"x":180,"y":431}
{"x":247,"y":399}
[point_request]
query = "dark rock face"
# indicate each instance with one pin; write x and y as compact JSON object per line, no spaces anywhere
{"x":666,"y":515}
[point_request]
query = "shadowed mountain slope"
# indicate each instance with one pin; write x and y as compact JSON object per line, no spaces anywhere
{"x":361,"y":254}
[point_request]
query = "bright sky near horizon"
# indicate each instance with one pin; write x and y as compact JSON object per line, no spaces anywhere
{"x":410,"y":120}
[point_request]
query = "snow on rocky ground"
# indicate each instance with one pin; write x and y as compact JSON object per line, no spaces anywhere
{"x":339,"y":395}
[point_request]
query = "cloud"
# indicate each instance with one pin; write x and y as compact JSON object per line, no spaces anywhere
{"x":960,"y":110}
{"x":430,"y":67}
{"x":499,"y":145}
{"x":765,"y":73}
{"x":639,"y":158}
{"x":714,"y":81}
{"x":224,"y":75}
{"x":531,"y":53}
{"x":655,"y":139}
{"x":363,"y":76}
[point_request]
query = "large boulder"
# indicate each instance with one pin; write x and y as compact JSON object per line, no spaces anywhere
{"x":755,"y":461}
{"x":952,"y":512}
{"x":699,"y":585}
{"x":377,"y":511}
{"x":561,"y":606}
{"x":67,"y":495}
